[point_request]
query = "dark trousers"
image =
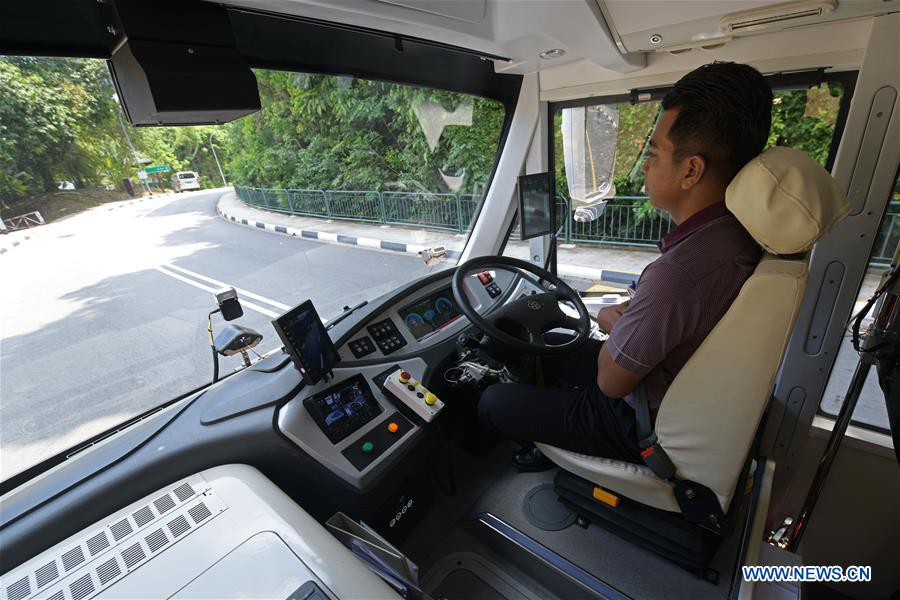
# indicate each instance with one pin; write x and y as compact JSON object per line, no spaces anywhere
{"x":570,"y":412}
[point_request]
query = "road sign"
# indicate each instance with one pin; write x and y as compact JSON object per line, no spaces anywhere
{"x":159,"y":169}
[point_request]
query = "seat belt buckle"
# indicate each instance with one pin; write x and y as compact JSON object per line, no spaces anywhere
{"x":659,"y":462}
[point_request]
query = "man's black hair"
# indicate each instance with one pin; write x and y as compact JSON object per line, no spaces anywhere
{"x":724,"y":115}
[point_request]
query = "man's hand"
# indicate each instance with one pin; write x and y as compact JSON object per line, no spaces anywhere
{"x":609,"y":315}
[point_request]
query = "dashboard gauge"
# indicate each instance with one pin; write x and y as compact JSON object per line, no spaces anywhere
{"x":444,"y":306}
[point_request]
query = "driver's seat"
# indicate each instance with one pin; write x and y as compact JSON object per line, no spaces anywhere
{"x":708,"y":418}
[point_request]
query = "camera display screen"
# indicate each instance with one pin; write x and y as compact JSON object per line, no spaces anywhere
{"x":342,"y":409}
{"x":307,"y":342}
{"x":535,"y":205}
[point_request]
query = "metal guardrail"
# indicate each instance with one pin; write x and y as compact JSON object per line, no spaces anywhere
{"x":624,"y":222}
{"x":32,"y":219}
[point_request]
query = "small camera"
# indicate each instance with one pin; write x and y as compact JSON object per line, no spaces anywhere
{"x":229,"y":306}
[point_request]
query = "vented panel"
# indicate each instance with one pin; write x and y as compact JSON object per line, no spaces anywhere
{"x":199,"y":512}
{"x":143,"y":516}
{"x":19,"y":590}
{"x":82,"y":587}
{"x":72,"y":576}
{"x":73,"y":558}
{"x":46,"y":574}
{"x":108,"y":571}
{"x":121,"y":529}
{"x":184,"y":491}
{"x":164,"y":504}
{"x":98,"y":543}
{"x":179,"y":525}
{"x":156,"y":540}
{"x":133,"y":555}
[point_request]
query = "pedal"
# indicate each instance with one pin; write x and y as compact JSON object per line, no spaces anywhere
{"x":413,"y":394}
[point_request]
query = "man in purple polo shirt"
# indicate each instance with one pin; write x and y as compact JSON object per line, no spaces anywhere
{"x":714,"y":121}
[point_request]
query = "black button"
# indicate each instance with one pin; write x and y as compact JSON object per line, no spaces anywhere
{"x":411,"y":388}
{"x":420,"y":394}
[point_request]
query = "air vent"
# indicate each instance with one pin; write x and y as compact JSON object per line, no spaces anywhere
{"x":199,"y":512}
{"x":46,"y":574}
{"x":184,"y":491}
{"x":73,"y":558}
{"x":776,"y":14}
{"x":60,"y":595}
{"x":19,"y":590}
{"x":120,"y":529}
{"x":164,"y":504}
{"x":82,"y":587}
{"x":108,"y":571}
{"x":156,"y":540}
{"x":179,"y":525}
{"x":143,"y":516}
{"x":133,"y":555}
{"x":98,"y":543}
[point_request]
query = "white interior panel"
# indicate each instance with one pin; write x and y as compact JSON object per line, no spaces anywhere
{"x":838,"y":46}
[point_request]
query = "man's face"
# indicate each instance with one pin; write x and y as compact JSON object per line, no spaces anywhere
{"x":663,"y":181}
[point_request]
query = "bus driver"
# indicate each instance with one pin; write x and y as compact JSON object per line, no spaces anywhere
{"x":713,"y":122}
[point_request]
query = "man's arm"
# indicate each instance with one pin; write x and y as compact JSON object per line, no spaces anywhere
{"x":608,"y":315}
{"x":614,"y":381}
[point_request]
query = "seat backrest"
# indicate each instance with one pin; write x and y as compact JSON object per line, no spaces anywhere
{"x":710,"y":413}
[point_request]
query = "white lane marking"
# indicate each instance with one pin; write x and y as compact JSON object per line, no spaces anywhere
{"x":221,"y":284}
{"x":244,"y":303}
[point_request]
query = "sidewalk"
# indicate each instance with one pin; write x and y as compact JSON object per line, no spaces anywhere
{"x":592,"y":263}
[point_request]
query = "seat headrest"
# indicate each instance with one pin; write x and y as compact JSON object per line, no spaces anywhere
{"x":785,"y":200}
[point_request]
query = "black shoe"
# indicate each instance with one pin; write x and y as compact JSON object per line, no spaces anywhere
{"x":532,"y":460}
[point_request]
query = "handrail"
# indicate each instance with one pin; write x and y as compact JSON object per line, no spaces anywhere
{"x":620,"y":223}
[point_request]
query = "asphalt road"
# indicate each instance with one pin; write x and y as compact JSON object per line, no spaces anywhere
{"x":104,"y":314}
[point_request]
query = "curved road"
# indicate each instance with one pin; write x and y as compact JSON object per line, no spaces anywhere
{"x":104,"y":313}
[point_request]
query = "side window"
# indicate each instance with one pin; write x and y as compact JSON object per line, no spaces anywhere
{"x":610,"y":244}
{"x":870,"y":408}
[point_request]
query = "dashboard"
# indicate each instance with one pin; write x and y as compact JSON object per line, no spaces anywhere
{"x":350,"y":424}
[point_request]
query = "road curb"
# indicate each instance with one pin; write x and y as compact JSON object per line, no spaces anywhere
{"x":328,"y":236}
{"x":7,"y":247}
{"x":606,"y":275}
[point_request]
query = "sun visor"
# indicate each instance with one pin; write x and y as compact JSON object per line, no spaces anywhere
{"x":173,"y":81}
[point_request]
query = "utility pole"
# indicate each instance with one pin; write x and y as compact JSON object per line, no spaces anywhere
{"x":221,"y":174}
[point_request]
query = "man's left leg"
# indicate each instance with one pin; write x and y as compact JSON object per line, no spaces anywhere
{"x":582,"y":420}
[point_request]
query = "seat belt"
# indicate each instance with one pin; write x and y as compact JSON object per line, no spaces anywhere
{"x":653,"y":454}
{"x":698,"y":503}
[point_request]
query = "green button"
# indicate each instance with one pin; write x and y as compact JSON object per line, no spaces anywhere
{"x":367,"y":447}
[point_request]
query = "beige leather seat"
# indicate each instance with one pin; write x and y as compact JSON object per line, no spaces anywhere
{"x":709,"y":416}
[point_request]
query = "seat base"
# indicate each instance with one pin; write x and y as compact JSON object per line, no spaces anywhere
{"x":662,"y":532}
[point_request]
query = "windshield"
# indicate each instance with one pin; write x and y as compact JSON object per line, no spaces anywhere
{"x":336,"y":191}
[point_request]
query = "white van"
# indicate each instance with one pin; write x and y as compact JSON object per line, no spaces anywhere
{"x":185,"y":180}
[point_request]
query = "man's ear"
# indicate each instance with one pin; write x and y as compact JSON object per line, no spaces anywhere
{"x":693,"y":169}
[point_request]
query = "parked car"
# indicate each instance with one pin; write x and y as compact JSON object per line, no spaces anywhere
{"x":185,"y":180}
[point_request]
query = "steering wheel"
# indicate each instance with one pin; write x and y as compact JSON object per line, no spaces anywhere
{"x":521,"y":324}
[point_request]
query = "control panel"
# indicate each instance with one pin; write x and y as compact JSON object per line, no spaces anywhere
{"x":387,"y":336}
{"x":362,"y":347}
{"x":412,"y":393}
{"x":377,"y":441}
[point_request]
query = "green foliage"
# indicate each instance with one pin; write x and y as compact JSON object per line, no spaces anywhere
{"x":321,"y":132}
{"x":60,"y":121}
